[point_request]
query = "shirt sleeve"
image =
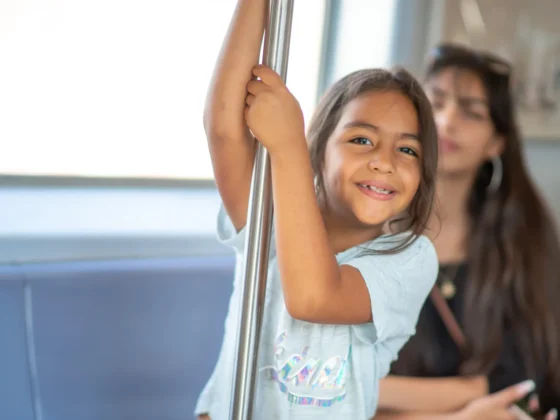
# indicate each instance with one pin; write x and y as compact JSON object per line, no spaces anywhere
{"x":398,"y":285}
{"x":205,"y":398}
{"x":228,"y":235}
{"x":387,"y":352}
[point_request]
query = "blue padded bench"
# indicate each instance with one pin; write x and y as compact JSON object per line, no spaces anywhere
{"x":15,"y":384}
{"x":110,"y":340}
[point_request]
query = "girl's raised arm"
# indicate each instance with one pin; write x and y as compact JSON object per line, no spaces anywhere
{"x":231,"y":145}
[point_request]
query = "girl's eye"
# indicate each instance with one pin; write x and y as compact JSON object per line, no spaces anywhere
{"x":408,"y":150}
{"x":361,"y":140}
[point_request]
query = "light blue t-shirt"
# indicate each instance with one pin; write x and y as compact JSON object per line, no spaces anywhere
{"x":311,"y":371}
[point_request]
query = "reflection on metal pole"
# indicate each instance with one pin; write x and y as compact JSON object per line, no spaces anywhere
{"x":259,"y":223}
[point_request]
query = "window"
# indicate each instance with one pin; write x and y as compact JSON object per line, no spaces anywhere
{"x":363,"y":36}
{"x":115,"y":88}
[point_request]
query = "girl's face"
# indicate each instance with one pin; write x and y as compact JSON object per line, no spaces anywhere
{"x":466,"y":134}
{"x":372,"y":162}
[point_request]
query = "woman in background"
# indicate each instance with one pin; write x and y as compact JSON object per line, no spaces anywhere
{"x":499,"y":258}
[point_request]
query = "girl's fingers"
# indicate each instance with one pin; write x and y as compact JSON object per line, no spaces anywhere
{"x":256,"y":86}
{"x":249,"y":99}
{"x":268,"y":76}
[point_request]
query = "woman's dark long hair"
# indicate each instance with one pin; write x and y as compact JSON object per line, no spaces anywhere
{"x":513,"y":249}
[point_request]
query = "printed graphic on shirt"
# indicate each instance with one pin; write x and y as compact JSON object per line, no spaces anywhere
{"x":308,"y":380}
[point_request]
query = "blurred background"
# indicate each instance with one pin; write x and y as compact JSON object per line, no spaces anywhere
{"x":113,"y":289}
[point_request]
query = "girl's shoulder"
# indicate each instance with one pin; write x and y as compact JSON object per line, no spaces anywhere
{"x":417,"y":263}
{"x":401,"y":246}
{"x":391,"y":241}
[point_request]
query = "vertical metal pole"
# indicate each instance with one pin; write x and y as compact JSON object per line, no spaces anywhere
{"x":259,"y":223}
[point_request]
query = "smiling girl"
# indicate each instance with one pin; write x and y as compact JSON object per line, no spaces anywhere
{"x":348,"y":268}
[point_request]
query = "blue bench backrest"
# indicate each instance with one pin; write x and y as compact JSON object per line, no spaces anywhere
{"x":111,"y":340}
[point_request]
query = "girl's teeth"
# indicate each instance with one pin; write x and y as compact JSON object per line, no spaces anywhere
{"x":379,"y":190}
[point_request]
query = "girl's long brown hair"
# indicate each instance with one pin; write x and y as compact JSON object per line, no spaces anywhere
{"x":513,"y":250}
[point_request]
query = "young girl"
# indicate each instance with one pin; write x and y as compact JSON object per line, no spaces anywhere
{"x":342,"y":298}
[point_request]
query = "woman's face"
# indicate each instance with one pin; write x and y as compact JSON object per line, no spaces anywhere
{"x":466,"y":134}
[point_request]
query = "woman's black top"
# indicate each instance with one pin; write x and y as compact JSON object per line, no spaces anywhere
{"x":443,"y":358}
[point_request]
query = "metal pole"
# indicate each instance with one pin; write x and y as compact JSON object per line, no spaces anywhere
{"x":259,"y":223}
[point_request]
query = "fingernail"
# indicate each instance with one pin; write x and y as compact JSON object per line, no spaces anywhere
{"x":525,"y":387}
{"x":534,"y":402}
{"x":553,"y":414}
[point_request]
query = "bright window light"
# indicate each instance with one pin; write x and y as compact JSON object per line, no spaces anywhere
{"x":115,"y":88}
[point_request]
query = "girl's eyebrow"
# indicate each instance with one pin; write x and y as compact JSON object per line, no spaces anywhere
{"x":371,"y":127}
